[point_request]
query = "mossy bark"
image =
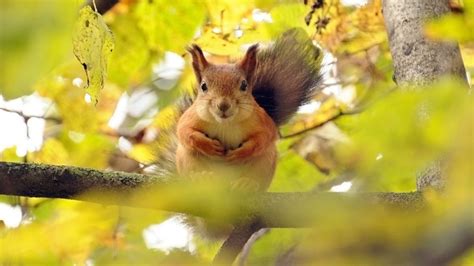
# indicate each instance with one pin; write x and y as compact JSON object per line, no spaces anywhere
{"x":296,"y":209}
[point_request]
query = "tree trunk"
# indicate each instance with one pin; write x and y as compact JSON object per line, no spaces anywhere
{"x":418,"y":60}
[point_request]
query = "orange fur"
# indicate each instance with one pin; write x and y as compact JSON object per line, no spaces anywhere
{"x":255,"y":158}
{"x":236,"y":141}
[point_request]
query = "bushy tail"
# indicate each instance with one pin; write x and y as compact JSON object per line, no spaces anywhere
{"x":287,"y":75}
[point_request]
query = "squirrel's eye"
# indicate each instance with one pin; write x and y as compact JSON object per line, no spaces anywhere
{"x":243,"y":85}
{"x":204,"y":87}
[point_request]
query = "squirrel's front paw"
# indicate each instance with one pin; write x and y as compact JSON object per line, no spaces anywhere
{"x":207,"y":146}
{"x":240,"y":154}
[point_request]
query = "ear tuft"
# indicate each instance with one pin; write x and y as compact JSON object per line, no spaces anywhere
{"x":199,"y":61}
{"x":249,"y":61}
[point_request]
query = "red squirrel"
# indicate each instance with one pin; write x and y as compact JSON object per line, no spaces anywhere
{"x":231,"y":127}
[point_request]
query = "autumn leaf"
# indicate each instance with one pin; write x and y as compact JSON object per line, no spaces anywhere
{"x":93,"y":42}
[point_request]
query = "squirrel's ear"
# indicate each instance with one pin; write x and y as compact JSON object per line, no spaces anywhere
{"x":249,"y":62}
{"x":199,"y":61}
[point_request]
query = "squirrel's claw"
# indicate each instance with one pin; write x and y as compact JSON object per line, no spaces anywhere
{"x":240,"y":154}
{"x":207,"y":146}
{"x":214,"y":148}
{"x":217,"y":147}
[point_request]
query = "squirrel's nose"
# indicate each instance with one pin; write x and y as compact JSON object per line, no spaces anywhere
{"x":223,"y":106}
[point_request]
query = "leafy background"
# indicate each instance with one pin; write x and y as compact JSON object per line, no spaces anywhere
{"x":368,"y":135}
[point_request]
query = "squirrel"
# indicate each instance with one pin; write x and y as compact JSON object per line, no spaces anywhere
{"x":231,"y":127}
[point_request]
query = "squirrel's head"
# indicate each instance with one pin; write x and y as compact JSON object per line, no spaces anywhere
{"x":224,"y":91}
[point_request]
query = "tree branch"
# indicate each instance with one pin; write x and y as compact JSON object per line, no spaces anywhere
{"x":248,"y":246}
{"x":338,"y":114}
{"x":28,"y":117}
{"x":129,"y":189}
{"x":235,"y":242}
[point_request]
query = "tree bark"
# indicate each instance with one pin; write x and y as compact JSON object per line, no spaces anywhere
{"x":418,"y":60}
{"x":299,"y":209}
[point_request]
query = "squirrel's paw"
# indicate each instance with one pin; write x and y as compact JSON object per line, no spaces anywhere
{"x":245,"y":184}
{"x":240,"y":154}
{"x":210,"y":147}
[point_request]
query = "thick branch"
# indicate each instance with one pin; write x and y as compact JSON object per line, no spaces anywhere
{"x":272,"y":209}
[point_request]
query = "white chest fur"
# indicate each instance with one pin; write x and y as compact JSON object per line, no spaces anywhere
{"x":230,"y":135}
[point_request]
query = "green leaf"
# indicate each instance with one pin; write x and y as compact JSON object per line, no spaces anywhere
{"x":93,"y":43}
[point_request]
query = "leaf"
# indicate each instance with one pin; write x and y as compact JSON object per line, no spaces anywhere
{"x":93,"y":43}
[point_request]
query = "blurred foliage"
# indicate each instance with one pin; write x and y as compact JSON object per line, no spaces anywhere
{"x":416,"y":123}
{"x":35,"y":37}
{"x":379,"y":139}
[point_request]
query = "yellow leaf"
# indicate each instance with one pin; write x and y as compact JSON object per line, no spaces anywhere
{"x":93,"y":42}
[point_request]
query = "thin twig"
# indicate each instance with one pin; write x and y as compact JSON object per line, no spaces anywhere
{"x":95,"y":6}
{"x":27,"y":117}
{"x":361,"y":107}
{"x":235,"y":242}
{"x":365,"y":49}
{"x":317,"y":125}
{"x":248,"y":246}
{"x":102,"y":5}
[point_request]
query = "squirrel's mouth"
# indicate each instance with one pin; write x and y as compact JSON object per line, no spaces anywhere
{"x":223,"y":116}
